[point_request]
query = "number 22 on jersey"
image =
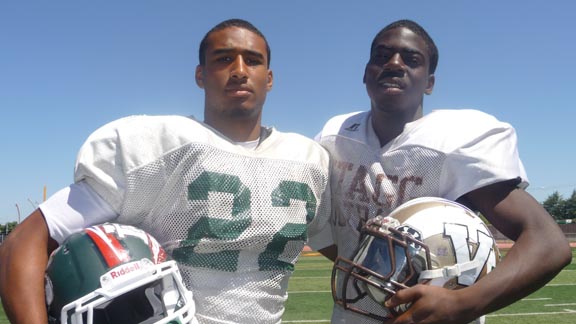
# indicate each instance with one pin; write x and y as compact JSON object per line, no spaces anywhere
{"x":211,"y":227}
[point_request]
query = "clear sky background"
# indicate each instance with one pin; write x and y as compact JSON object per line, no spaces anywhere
{"x":68,"y":67}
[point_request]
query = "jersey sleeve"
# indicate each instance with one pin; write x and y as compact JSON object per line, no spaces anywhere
{"x":100,"y":163}
{"x":320,"y":231}
{"x":73,"y":208}
{"x":487,"y":156}
{"x":125,"y":145}
{"x":99,"y":181}
{"x":321,"y":239}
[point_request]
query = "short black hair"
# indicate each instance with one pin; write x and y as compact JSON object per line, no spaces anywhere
{"x":240,"y":23}
{"x":418,"y":30}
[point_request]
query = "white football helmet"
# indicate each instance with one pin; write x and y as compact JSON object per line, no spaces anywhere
{"x":426,"y":240}
{"x":114,"y":273}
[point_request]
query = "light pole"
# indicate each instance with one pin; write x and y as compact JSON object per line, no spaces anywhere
{"x":33,"y":203}
{"x":18,"y":209}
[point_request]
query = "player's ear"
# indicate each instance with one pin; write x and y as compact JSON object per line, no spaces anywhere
{"x":430,"y":85}
{"x":269,"y":80}
{"x":199,"y":75}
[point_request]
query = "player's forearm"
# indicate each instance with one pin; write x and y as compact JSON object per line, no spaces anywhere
{"x":534,"y":260}
{"x":540,"y":250}
{"x":24,"y":303}
{"x":23,"y":258}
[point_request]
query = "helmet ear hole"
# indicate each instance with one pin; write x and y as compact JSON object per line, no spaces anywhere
{"x":418,"y":265}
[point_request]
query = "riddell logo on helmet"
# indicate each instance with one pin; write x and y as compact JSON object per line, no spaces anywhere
{"x":125,"y":270}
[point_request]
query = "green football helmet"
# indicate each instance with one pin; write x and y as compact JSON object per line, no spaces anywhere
{"x":114,"y":273}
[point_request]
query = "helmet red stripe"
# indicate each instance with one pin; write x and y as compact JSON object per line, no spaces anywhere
{"x":156,"y":250}
{"x":110,"y":248}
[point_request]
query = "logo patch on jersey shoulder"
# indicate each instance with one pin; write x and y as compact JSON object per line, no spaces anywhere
{"x":352,"y":128}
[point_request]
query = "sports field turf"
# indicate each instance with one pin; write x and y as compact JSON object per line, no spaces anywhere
{"x":310,"y":299}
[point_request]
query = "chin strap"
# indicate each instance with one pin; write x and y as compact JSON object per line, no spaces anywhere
{"x":449,"y":271}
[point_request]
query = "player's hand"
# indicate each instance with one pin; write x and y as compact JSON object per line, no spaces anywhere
{"x":431,"y":304}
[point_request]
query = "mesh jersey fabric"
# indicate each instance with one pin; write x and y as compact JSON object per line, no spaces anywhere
{"x":446,"y":154}
{"x":234,"y":219}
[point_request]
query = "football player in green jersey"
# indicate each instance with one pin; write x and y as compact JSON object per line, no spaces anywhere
{"x":232,"y":201}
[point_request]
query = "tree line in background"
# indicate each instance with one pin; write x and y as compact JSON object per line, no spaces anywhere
{"x":5,"y":229}
{"x":8,"y":227}
{"x":563,"y":211}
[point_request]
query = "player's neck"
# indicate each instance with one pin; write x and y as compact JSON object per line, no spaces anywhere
{"x":418,"y":113}
{"x":388,"y":125}
{"x":237,"y":130}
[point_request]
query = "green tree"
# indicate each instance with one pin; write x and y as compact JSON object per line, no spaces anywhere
{"x":570,"y":206}
{"x":11,"y":226}
{"x":8,"y":227}
{"x":554,"y":204}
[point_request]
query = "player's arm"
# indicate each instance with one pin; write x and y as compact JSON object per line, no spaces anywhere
{"x":23,"y":259}
{"x":540,"y":251}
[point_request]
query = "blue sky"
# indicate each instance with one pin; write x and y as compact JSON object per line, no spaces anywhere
{"x":67,"y":67}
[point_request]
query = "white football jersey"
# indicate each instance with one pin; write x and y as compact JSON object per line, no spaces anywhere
{"x":446,"y":154}
{"x":234,"y":219}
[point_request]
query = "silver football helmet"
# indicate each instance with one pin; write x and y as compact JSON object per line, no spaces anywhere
{"x":426,"y":240}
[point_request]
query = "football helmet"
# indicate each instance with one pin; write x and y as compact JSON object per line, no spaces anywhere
{"x":114,"y":273}
{"x":425,"y":240}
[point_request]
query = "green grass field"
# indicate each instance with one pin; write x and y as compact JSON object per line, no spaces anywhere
{"x":310,"y":299}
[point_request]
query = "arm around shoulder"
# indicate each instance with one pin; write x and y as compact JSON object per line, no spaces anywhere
{"x":23,"y":259}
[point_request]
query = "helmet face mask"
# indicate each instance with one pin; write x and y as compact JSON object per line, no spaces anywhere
{"x":410,"y":257}
{"x":427,"y":240}
{"x":115,"y":274}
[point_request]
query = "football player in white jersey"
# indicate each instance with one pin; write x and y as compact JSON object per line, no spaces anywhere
{"x":231,"y":201}
{"x":386,"y":156}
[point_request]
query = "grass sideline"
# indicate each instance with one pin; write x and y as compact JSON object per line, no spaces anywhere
{"x":310,"y":299}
